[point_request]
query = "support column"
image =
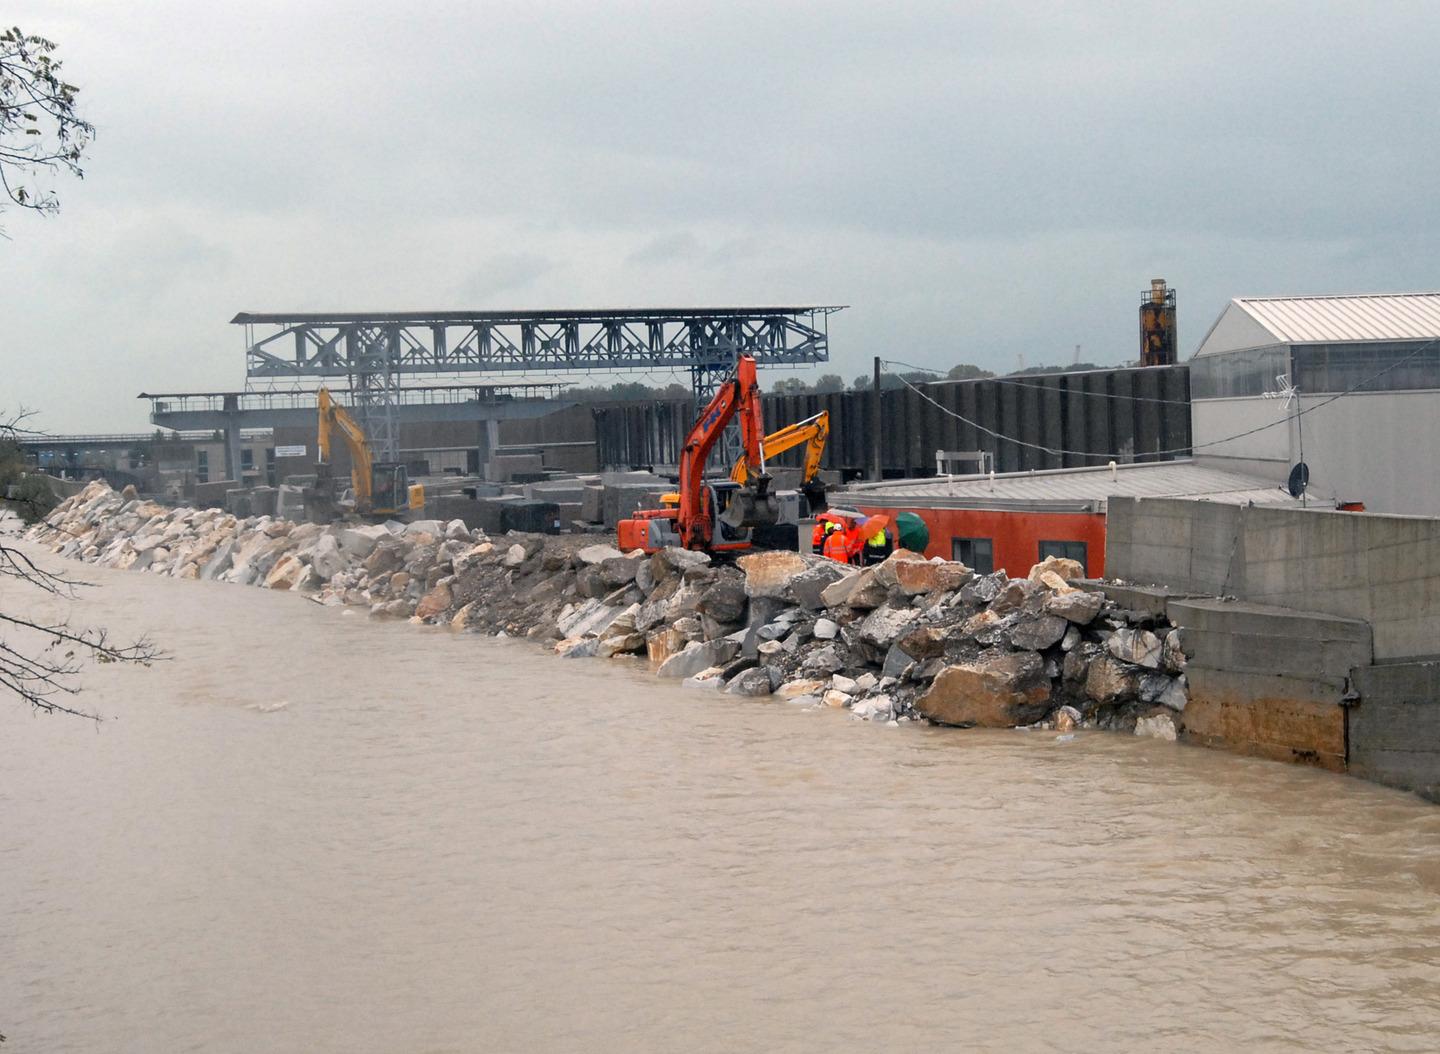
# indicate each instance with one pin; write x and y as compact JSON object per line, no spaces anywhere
{"x":232,"y":437}
{"x":875,"y":465}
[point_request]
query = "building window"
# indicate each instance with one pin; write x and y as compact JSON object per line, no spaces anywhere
{"x":247,"y":459}
{"x":978,"y":554}
{"x":1066,"y":550}
{"x":202,"y":466}
{"x":1369,"y":367}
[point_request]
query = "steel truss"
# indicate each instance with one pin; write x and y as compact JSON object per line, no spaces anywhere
{"x":376,"y":351}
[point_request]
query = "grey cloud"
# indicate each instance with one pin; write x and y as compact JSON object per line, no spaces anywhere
{"x":978,"y":181}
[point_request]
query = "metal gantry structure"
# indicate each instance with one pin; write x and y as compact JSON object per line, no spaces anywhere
{"x":376,"y":352}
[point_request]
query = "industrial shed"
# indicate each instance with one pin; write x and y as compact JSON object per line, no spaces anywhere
{"x":1349,"y":384}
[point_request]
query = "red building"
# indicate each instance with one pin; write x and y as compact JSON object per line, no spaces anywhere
{"x":1013,"y":520}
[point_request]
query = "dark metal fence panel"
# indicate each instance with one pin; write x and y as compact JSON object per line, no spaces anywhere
{"x":1090,"y":416}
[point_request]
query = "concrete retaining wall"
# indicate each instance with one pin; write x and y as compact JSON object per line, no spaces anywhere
{"x":1269,"y":682}
{"x":1384,"y":570}
{"x":1395,"y":727}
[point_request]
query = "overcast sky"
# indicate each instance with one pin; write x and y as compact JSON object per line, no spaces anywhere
{"x":978,"y":181}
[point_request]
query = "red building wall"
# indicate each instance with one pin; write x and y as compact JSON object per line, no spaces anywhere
{"x":1015,"y":536}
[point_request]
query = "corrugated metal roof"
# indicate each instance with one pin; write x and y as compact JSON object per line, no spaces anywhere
{"x":1075,"y":489}
{"x":1380,"y":316}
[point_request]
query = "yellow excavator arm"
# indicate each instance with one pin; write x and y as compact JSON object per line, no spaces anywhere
{"x":813,"y":430}
{"x":333,"y":415}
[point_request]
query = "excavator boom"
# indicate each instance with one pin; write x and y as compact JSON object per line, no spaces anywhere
{"x":814,"y":431}
{"x":334,"y":416}
{"x":697,"y":519}
{"x":394,"y":494}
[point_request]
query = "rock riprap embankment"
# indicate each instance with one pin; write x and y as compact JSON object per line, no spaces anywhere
{"x":905,"y":640}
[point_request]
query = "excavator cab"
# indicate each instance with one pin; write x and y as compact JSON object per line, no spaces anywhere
{"x":389,"y":488}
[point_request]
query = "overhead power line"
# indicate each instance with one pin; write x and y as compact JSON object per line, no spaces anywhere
{"x":1059,"y":452}
{"x":1046,"y":387}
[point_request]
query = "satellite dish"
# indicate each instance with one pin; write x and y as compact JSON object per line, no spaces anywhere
{"x":1299,"y":479}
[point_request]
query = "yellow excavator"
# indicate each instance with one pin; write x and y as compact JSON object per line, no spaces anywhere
{"x":382,"y":488}
{"x":813,"y":431}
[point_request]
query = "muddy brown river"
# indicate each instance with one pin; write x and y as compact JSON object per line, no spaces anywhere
{"x":314,"y":832}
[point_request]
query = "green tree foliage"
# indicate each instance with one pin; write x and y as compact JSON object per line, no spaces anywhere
{"x":1057,"y":369}
{"x":40,"y":129}
{"x":627,"y":391}
{"x":966,"y":371}
{"x":891,"y":381}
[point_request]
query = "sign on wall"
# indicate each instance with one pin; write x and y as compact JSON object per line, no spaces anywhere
{"x":290,"y":451}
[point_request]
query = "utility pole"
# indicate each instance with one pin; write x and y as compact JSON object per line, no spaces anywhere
{"x":875,"y":424}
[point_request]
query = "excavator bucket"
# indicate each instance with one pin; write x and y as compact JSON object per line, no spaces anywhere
{"x":753,"y":505}
{"x":815,"y":496}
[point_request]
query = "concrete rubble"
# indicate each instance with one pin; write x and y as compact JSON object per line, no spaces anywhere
{"x":907,"y":640}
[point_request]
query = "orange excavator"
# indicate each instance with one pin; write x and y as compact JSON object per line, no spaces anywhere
{"x":714,"y":515}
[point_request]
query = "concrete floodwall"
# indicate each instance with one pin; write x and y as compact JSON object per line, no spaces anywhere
{"x":1395,"y":727}
{"x":1384,"y":570}
{"x":1270,"y":682}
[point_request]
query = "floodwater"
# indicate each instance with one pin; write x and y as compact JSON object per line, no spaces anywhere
{"x":312,"y":832}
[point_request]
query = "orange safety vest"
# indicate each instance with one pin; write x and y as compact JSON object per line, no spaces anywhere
{"x":817,"y":536}
{"x":837,"y":547}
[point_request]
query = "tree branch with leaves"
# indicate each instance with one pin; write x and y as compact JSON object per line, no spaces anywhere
{"x":40,"y":128}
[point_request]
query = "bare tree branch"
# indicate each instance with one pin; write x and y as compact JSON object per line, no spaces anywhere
{"x":46,"y":674}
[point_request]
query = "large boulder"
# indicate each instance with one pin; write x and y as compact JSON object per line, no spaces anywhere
{"x":385,"y":559}
{"x":754,"y":681}
{"x":923,"y":642}
{"x":619,"y":570}
{"x":673,"y":561}
{"x":837,"y":593}
{"x":870,"y":590}
{"x":1172,"y":653}
{"x":724,"y":600}
{"x":887,"y":571}
{"x":809,"y":586}
{"x":597,"y":554}
{"x":358,"y":542}
{"x":984,"y":589}
{"x":915,"y":577}
{"x":1110,"y":681}
{"x":219,"y":561}
{"x":1066,"y":568}
{"x":1077,"y":606}
{"x":1138,"y":646}
{"x":769,"y":574}
{"x":434,"y":603}
{"x":326,"y":558}
{"x":1017,"y":595}
{"x":285,"y":573}
{"x":1037,"y":632}
{"x":885,"y":623}
{"x":660,"y":644}
{"x":588,"y":619}
{"x":698,"y":656}
{"x":998,"y":691}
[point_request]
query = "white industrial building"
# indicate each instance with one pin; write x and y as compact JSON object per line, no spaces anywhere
{"x":1266,"y":358}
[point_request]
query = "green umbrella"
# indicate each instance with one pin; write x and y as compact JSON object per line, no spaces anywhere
{"x":914,"y":535}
